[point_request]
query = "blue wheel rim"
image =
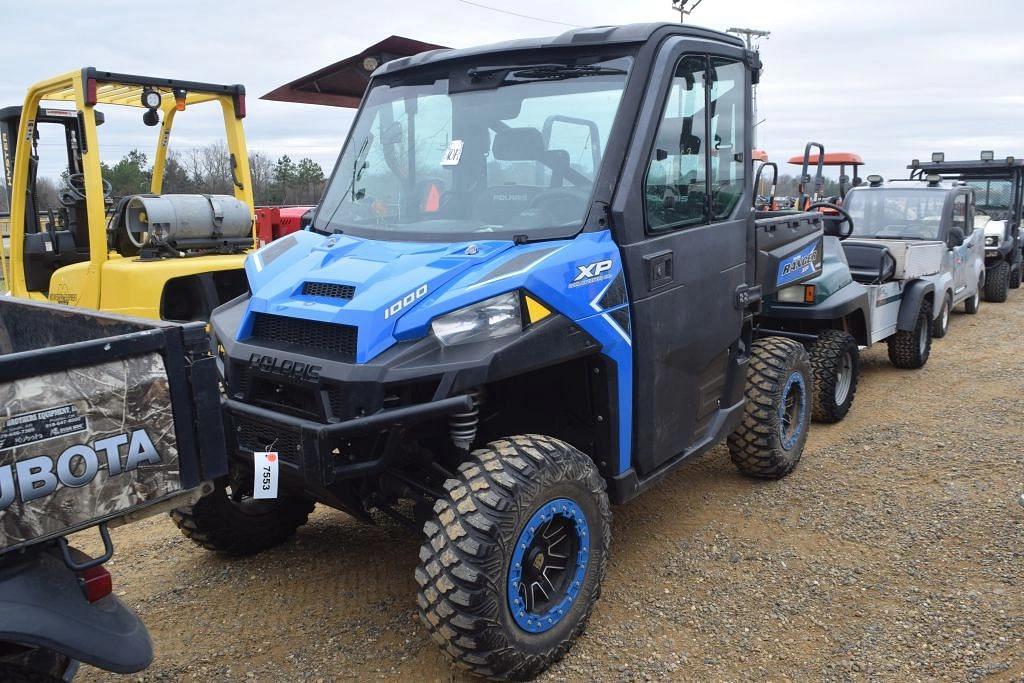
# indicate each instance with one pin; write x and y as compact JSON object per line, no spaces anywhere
{"x":547,"y":568}
{"x":792,"y":410}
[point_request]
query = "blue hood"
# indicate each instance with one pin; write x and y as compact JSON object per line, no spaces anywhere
{"x":389,"y":280}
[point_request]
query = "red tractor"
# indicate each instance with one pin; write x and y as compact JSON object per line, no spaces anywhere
{"x":273,"y":222}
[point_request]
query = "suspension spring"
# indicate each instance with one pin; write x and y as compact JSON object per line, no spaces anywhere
{"x":462,"y":426}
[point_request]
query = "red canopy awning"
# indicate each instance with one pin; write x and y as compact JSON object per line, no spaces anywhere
{"x":343,"y":83}
{"x":831,"y":159}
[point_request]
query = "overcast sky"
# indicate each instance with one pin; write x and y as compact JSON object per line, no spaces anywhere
{"x":889,"y":79}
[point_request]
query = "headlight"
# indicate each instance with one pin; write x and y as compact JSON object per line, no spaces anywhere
{"x":797,"y":294}
{"x":992,"y":241}
{"x":495,"y":317}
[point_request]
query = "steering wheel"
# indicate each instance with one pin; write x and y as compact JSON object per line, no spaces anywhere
{"x":558,"y":202}
{"x":75,"y":190}
{"x":844,"y":216}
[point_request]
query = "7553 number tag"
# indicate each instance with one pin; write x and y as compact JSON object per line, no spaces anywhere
{"x":265,"y":483}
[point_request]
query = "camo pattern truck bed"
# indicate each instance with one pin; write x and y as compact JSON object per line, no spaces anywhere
{"x":104,"y":424}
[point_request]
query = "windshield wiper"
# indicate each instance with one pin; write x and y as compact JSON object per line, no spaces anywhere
{"x":546,"y":72}
{"x":357,"y":173}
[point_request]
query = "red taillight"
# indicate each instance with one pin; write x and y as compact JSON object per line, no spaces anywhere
{"x":96,"y":583}
{"x":240,"y":106}
{"x":90,"y":92}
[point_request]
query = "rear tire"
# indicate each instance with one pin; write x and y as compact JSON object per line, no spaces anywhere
{"x":973,"y":305}
{"x":940,"y":326}
{"x":835,"y":363}
{"x":240,"y":527}
{"x":909,"y":349}
{"x":13,"y":673}
{"x":770,"y":439}
{"x":997,"y":283}
{"x":514,"y":557}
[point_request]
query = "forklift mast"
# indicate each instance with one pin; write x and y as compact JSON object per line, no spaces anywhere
{"x":69,"y":120}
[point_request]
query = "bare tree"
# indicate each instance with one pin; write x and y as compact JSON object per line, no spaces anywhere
{"x":261,"y":168}
{"x":47,"y":192}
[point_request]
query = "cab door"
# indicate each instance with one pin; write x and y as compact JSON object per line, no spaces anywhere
{"x":964,"y":278}
{"x":682,"y":220}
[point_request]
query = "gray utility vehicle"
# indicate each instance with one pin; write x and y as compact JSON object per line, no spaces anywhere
{"x":569,"y":320}
{"x":998,"y":186}
{"x":106,"y":420}
{"x":898,"y":257}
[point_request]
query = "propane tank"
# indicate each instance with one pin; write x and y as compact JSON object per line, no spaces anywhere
{"x":189,"y":221}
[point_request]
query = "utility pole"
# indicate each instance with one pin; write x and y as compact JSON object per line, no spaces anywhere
{"x":680,"y":5}
{"x":752,"y":37}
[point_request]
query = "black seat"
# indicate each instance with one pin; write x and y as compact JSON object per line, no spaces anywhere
{"x":869,"y":263}
{"x":47,"y":251}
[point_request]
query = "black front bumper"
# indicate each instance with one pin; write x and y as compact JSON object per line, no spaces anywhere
{"x":316,"y":450}
{"x":331,"y":420}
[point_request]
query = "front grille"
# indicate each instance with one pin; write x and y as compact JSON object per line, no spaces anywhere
{"x":307,"y":334}
{"x":257,"y":437}
{"x":329,"y":290}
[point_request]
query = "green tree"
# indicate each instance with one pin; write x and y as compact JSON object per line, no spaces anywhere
{"x":176,"y":177}
{"x":131,"y":175}
{"x":284,"y":179}
{"x":309,"y":181}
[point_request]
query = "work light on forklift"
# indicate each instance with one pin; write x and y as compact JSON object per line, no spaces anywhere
{"x":150,"y":99}
{"x":179,"y":99}
{"x":987,"y":155}
{"x":938,"y":157}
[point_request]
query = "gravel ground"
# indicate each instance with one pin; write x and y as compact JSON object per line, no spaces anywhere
{"x":893,"y":552}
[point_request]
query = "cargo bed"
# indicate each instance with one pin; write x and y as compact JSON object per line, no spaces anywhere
{"x":102,"y":417}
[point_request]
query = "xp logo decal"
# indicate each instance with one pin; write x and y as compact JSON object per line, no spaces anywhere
{"x":804,"y":262}
{"x":592,"y":272}
{"x":407,"y":300}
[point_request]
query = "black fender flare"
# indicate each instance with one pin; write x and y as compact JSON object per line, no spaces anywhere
{"x":42,"y":605}
{"x":913,"y":295}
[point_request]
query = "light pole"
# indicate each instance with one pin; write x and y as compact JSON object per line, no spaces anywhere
{"x":680,"y":5}
{"x":752,"y":37}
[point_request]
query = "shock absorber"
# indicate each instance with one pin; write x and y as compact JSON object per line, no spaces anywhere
{"x":462,"y":426}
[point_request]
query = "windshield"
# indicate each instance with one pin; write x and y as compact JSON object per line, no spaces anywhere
{"x":488,"y":152}
{"x":896,"y":213}
{"x":993,"y":197}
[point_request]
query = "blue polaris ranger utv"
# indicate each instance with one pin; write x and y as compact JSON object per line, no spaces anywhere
{"x":527,"y":294}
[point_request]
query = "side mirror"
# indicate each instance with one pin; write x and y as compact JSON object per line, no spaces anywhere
{"x":956,"y":237}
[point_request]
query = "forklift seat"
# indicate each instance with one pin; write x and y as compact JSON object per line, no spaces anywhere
{"x":47,"y":251}
{"x":870,"y":264}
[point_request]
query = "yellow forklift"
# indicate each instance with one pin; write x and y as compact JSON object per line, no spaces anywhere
{"x":154,"y":255}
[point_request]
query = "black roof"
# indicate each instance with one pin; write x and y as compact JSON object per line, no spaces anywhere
{"x":972,"y":167}
{"x":596,"y":35}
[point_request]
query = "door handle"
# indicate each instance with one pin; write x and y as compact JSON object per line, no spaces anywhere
{"x":659,"y":269}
